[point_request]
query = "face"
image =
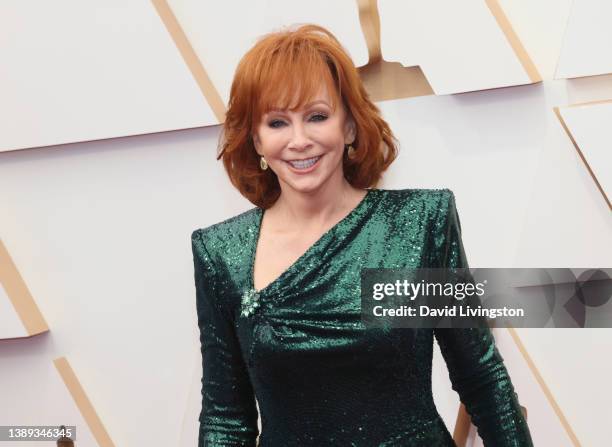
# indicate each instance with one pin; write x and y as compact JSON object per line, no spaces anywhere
{"x":304,"y":148}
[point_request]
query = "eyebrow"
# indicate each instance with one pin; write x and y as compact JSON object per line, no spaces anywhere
{"x":310,"y":104}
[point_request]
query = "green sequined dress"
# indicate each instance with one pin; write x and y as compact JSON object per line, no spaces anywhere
{"x":299,"y":347}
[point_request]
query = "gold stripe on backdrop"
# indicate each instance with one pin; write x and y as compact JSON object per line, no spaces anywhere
{"x":194,"y":64}
{"x":580,"y":153}
{"x":83,"y":403}
{"x":19,"y":295}
{"x":506,"y":27}
{"x":549,"y":396}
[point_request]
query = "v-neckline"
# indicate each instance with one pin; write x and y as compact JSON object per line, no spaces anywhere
{"x":292,"y":266}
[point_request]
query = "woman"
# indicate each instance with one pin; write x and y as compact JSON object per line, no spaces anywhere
{"x":278,"y":297}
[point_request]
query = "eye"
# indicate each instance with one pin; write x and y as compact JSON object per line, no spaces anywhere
{"x":274,"y":123}
{"x":315,"y":117}
{"x":319,"y":117}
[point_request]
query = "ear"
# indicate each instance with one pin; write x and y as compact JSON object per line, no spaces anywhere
{"x":350,"y":129}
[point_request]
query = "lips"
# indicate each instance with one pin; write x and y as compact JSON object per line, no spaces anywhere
{"x":304,"y":163}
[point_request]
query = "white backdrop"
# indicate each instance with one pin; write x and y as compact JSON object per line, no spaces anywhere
{"x":100,"y":232}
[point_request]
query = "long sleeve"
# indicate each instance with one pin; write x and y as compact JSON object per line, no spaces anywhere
{"x":476,"y":368}
{"x":229,"y":414}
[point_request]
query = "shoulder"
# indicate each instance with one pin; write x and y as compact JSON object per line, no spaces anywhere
{"x":420,"y":209}
{"x":218,"y":237}
{"x":431,"y":214}
{"x":434,"y":203}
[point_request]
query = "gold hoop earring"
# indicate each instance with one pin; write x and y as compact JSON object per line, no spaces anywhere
{"x":263,"y":164}
{"x":351,"y":151}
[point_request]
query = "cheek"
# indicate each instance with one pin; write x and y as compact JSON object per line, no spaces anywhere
{"x":332,"y":135}
{"x":272,"y":142}
{"x":333,"y":141}
{"x":330,"y":139}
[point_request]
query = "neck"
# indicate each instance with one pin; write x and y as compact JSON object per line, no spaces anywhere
{"x":319,"y":208}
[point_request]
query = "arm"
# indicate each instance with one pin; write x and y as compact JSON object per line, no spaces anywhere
{"x":229,"y":415}
{"x":476,"y":368}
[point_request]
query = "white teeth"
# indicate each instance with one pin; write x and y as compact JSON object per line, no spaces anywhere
{"x":304,"y":164}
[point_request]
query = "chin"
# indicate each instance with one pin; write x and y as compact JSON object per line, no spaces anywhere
{"x":304,"y":188}
{"x":302,"y":185}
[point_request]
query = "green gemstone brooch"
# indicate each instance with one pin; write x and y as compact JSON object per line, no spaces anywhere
{"x":250,"y":302}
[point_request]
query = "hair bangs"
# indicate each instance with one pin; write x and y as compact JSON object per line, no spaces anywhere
{"x":291,"y":77}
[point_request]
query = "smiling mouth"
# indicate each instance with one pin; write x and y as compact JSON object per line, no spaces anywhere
{"x":303,"y":164}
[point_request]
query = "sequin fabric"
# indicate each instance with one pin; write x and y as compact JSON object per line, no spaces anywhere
{"x":298,"y":346}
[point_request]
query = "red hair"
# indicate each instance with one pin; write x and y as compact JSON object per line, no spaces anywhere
{"x":279,"y":65}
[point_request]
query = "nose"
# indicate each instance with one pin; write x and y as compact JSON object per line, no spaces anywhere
{"x":299,"y":137}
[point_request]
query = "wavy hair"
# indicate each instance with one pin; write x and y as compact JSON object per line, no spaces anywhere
{"x":269,"y":75}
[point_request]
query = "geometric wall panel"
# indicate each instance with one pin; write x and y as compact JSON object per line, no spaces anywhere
{"x":575,"y":365}
{"x":51,"y":397}
{"x":484,"y":56}
{"x":94,"y":424}
{"x":222,"y":32}
{"x":455,"y":58}
{"x":587,"y":42}
{"x":588,"y":127}
{"x":11,"y":325}
{"x":81,"y":71}
{"x":477,"y":130}
{"x":19,"y":314}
